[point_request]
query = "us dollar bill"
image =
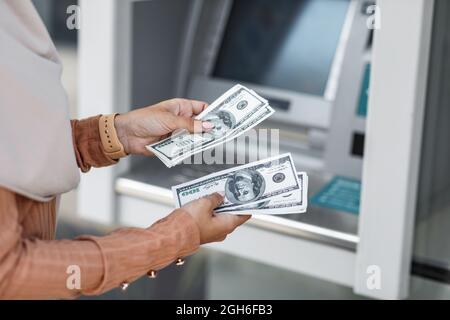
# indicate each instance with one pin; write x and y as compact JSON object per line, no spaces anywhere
{"x":228,"y":112}
{"x":236,"y":111}
{"x":252,"y":122}
{"x":288,"y":203}
{"x":247,"y":184}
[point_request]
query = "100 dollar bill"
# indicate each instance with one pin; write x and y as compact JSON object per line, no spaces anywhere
{"x":291,"y":202}
{"x":254,"y":121}
{"x":231,"y":115}
{"x":251,"y":183}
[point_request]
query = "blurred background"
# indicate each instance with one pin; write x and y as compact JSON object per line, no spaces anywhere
{"x":319,"y":64}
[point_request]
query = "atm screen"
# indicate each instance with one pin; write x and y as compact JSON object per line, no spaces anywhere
{"x":287,"y":44}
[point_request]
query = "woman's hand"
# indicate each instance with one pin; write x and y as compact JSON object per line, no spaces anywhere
{"x":144,"y":126}
{"x":213,"y":227}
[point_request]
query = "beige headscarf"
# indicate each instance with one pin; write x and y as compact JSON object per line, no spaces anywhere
{"x":36,"y":152}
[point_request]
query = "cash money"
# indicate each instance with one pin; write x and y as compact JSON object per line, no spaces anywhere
{"x":288,"y":203}
{"x":270,"y":186}
{"x":236,"y":111}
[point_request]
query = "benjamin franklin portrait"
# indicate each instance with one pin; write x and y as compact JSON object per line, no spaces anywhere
{"x":223,"y":122}
{"x":244,"y":186}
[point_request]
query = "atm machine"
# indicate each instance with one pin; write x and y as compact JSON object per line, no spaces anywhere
{"x":329,"y":75}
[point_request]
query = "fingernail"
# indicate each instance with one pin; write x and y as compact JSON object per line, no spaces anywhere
{"x":207,"y":125}
{"x":221,"y":193}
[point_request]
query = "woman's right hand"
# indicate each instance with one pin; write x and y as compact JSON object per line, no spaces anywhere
{"x":213,"y":227}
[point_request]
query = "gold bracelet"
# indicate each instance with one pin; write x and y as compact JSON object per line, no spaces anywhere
{"x":108,"y":134}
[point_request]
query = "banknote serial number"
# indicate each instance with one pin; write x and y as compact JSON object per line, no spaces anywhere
{"x":231,"y":309}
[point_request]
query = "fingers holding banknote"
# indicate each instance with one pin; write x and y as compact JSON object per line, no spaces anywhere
{"x":233,"y":113}
{"x":212,"y":227}
{"x":182,"y":107}
{"x":180,"y":115}
{"x":143,"y":126}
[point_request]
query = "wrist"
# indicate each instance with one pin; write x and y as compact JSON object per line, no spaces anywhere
{"x":112,"y":145}
{"x":121,"y":130}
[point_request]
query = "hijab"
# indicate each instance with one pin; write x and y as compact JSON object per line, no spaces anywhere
{"x":37,"y":158}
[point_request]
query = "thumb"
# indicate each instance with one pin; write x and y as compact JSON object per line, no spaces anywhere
{"x":190,"y":124}
{"x":215,"y":200}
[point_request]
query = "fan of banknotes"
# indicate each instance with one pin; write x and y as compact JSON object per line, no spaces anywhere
{"x":270,"y":186}
{"x":236,"y":111}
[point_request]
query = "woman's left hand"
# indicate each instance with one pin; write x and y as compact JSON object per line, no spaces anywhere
{"x":144,"y":126}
